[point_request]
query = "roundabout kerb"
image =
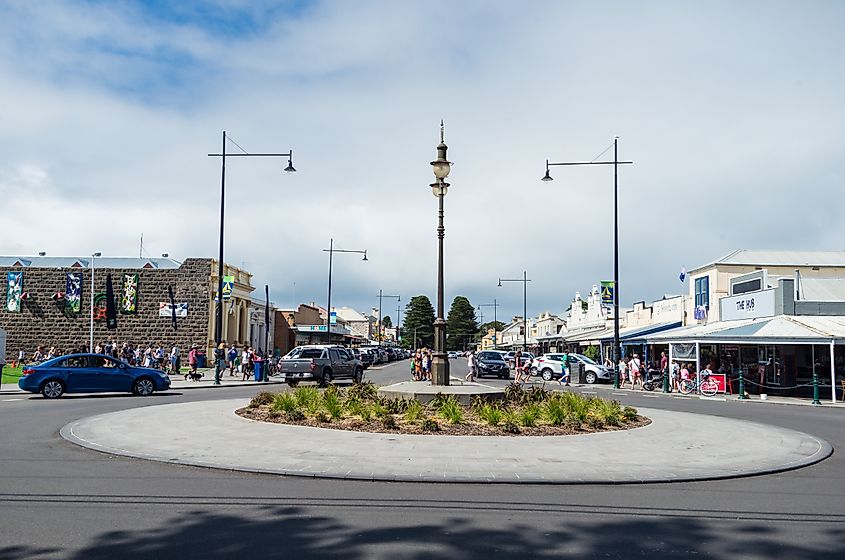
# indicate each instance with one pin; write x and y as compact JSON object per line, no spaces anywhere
{"x":672,"y":448}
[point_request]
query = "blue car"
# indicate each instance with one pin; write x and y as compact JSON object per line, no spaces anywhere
{"x":90,"y":373}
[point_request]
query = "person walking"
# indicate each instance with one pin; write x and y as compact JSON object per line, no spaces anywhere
{"x":231,"y":358}
{"x":517,"y":364}
{"x":636,"y":372}
{"x":192,"y":362}
{"x":219,"y":362}
{"x":471,"y":365}
{"x":175,"y":362}
{"x":565,"y":372}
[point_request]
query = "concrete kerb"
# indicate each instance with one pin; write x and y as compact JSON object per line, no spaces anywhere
{"x":211,"y":435}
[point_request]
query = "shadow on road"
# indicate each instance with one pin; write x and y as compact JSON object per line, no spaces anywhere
{"x":290,"y":532}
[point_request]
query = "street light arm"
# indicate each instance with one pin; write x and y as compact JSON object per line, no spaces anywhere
{"x":287,"y":155}
{"x":550,"y":164}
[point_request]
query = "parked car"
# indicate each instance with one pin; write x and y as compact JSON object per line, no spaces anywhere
{"x":491,"y":363}
{"x":90,"y":373}
{"x":453,"y":355}
{"x":320,"y":363}
{"x":593,"y":372}
{"x":548,"y":366}
{"x":364,"y":355}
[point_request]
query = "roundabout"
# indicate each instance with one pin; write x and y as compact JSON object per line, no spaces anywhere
{"x":675,"y":447}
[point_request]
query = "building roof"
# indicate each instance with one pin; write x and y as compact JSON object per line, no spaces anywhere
{"x":349,"y":314}
{"x":763,"y":258}
{"x":85,"y":262}
{"x":783,"y":329}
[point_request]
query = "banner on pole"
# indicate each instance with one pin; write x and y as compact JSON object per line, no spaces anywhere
{"x":14,"y":291}
{"x":73,"y":292}
{"x":607,"y":291}
{"x":228,"y":287}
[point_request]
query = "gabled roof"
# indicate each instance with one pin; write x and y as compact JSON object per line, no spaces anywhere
{"x":763,"y":258}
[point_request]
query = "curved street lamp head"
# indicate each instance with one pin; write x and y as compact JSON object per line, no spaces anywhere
{"x":290,"y":168}
{"x":97,"y":254}
{"x":365,"y":255}
{"x":500,"y":282}
{"x":547,"y":177}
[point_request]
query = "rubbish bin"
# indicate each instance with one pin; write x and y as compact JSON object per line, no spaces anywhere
{"x":201,"y":363}
{"x":258,"y":370}
{"x":578,"y":373}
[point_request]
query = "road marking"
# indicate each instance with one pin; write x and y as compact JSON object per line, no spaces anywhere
{"x":651,"y":396}
{"x":12,"y":400}
{"x":705,"y":398}
{"x":620,"y":394}
{"x":589,"y":392}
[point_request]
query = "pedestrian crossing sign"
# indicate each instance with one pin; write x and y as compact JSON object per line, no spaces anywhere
{"x":607,"y":292}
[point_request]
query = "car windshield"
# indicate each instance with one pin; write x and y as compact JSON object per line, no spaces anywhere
{"x":495,"y":356}
{"x":584,"y":358}
{"x":305,"y":353}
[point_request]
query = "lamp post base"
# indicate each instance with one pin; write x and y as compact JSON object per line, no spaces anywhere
{"x":439,"y":369}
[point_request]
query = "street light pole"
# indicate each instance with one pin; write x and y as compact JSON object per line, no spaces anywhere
{"x":525,"y":282}
{"x":615,"y":163}
{"x":495,"y":306}
{"x":380,"y":297}
{"x":91,"y":333}
{"x":441,"y":167}
{"x":331,"y":251}
{"x":218,"y":313}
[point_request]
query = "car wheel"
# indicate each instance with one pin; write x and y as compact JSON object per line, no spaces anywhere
{"x":359,"y":375}
{"x":292,"y":382}
{"x":53,"y":389}
{"x":325,"y":379}
{"x":591,"y":377}
{"x":143,"y":387}
{"x":547,"y":374}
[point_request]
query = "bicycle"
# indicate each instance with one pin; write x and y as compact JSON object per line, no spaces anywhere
{"x":706,"y":387}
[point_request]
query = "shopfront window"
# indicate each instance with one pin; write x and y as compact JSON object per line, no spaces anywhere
{"x":702,"y":292}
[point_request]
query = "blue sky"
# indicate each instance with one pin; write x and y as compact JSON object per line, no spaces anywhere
{"x":731,"y":111}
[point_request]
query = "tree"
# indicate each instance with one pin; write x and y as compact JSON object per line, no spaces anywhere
{"x":461,"y":326}
{"x":386,"y":323}
{"x":419,"y":321}
{"x":498,"y":325}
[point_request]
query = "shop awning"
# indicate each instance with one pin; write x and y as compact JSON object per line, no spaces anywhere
{"x":781,"y":329}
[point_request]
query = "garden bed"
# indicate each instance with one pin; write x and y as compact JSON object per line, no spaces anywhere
{"x":533,"y":412}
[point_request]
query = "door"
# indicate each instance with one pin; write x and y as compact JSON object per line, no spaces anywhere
{"x":340,"y":365}
{"x":111,"y":375}
{"x":79,"y":376}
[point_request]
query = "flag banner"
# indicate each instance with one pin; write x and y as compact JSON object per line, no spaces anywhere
{"x":700,"y":313}
{"x":173,"y":307}
{"x":683,"y":275}
{"x":73,"y":292}
{"x":333,"y":317}
{"x":14,"y":291}
{"x":111,"y":308}
{"x":168,"y":310}
{"x":129,"y":295}
{"x":607,"y":291}
{"x":228,"y":287}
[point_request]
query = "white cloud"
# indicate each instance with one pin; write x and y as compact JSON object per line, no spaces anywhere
{"x":730,"y":113}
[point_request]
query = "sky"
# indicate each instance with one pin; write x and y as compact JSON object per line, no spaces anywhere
{"x":731,"y":112}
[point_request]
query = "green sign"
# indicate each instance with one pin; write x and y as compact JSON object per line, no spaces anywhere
{"x":607,"y":291}
{"x":228,"y":287}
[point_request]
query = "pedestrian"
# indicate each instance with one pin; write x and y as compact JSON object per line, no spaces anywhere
{"x":231,"y":357}
{"x":564,"y":369}
{"x":676,"y":377}
{"x":517,"y":362}
{"x":175,"y":365}
{"x":471,"y":366}
{"x":623,"y":371}
{"x":246,"y":363}
{"x":219,"y":362}
{"x":21,"y":359}
{"x":636,"y":371}
{"x":418,"y":365}
{"x":192,"y":362}
{"x":159,"y":357}
{"x":38,"y":356}
{"x":664,"y":364}
{"x":413,"y":364}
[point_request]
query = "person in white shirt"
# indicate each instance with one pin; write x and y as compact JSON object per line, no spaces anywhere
{"x":636,"y":376}
{"x":471,"y":365}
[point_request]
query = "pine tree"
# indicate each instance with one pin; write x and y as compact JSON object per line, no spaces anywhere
{"x":461,"y":326}
{"x":419,"y":320}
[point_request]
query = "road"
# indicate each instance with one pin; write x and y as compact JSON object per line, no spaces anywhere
{"x":62,"y":501}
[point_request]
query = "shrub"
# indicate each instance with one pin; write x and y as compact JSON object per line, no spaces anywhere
{"x":284,"y":402}
{"x":322,"y":417}
{"x":379,"y":410}
{"x":595,"y":422}
{"x":510,"y":427}
{"x":430,"y":425}
{"x":490,"y":413}
{"x":261,"y":399}
{"x":577,"y":407}
{"x":274,"y":414}
{"x":395,"y":406}
{"x":295,"y":415}
{"x":389,"y":422}
{"x":308,"y":398}
{"x":415,"y":412}
{"x":609,"y":412}
{"x":514,"y":393}
{"x":366,"y":391}
{"x":553,"y":411}
{"x":528,"y":415}
{"x":451,"y":410}
{"x":331,"y":402}
{"x":536,"y":395}
{"x":629,"y":413}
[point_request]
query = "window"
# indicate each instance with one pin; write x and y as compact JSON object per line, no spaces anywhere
{"x":702,"y":292}
{"x":75,"y":362}
{"x":747,"y":286}
{"x":103,"y":362}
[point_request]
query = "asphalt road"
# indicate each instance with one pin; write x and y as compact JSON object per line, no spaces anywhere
{"x":62,"y":501}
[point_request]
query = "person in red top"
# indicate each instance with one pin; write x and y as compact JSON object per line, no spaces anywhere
{"x":192,"y":362}
{"x":664,"y":363}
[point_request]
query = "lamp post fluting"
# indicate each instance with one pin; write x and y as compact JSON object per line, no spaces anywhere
{"x":495,"y":306}
{"x":381,"y":296}
{"x":617,"y":354}
{"x":331,"y":251}
{"x":218,"y":313}
{"x":525,"y":282}
{"x":441,"y":167}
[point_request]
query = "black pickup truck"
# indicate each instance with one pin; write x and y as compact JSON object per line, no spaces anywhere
{"x":320,"y":363}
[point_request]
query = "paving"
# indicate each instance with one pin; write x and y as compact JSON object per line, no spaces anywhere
{"x":424,"y":391}
{"x":676,"y":446}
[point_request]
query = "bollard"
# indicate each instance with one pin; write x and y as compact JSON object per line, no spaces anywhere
{"x":666,"y":381}
{"x":816,"y":400}
{"x":742,"y":396}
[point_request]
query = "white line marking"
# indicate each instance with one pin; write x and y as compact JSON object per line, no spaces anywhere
{"x":12,"y":400}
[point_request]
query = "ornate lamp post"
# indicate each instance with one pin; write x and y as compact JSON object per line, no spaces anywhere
{"x":441,"y":167}
{"x":331,"y":251}
{"x":615,"y":163}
